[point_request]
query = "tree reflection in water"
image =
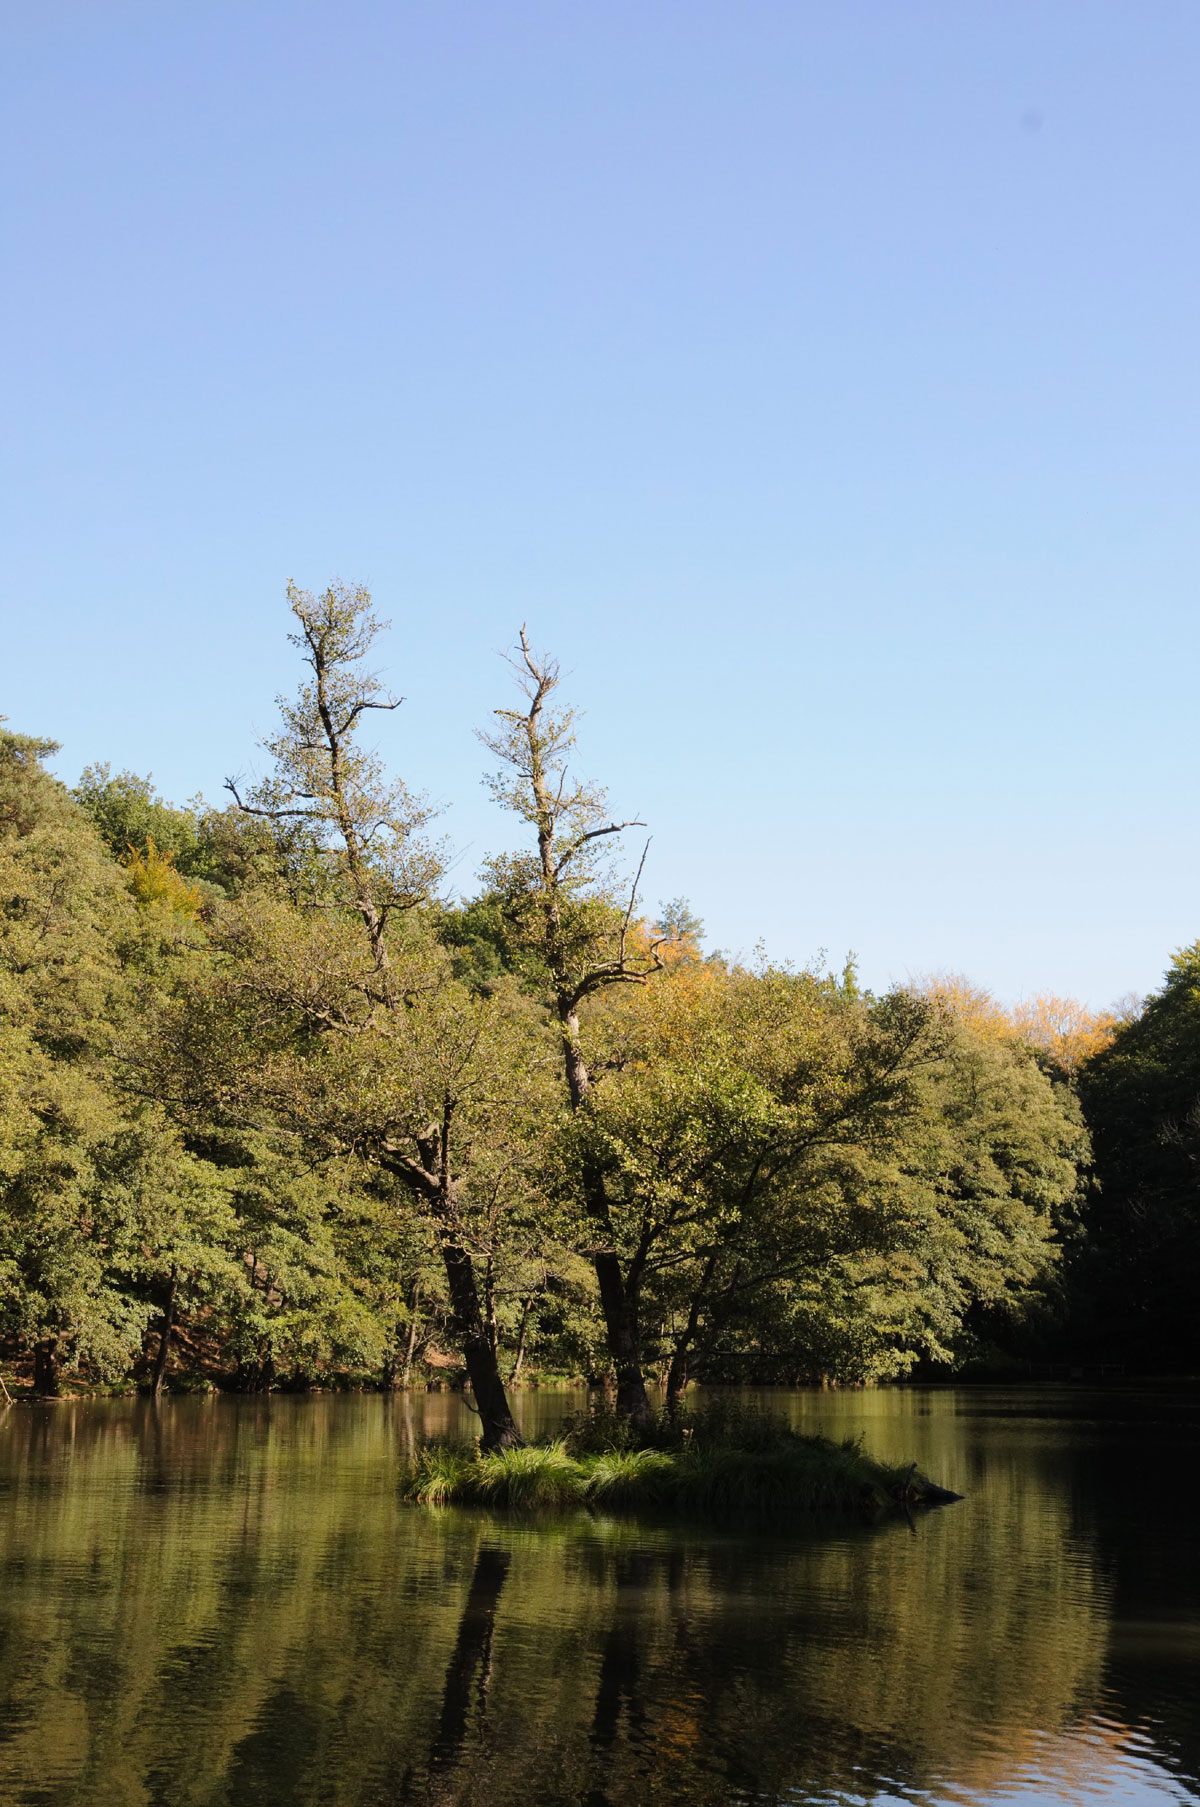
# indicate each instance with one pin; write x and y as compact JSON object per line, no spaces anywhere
{"x":470,"y":1668}
{"x":225,"y":1603}
{"x":619,"y":1689}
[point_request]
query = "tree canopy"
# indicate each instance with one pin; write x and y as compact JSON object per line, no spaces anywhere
{"x":277,"y":1109}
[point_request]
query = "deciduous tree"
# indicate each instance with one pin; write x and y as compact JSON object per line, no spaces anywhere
{"x":569,"y":925}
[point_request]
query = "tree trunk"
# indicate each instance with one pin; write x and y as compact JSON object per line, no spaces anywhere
{"x":164,"y":1339}
{"x":677,"y":1379}
{"x":255,"y":1376}
{"x":411,"y":1346}
{"x":45,"y":1367}
{"x":624,"y":1340}
{"x":434,"y":1185}
{"x":519,"y":1358}
{"x":489,"y":1306}
{"x":498,"y":1428}
{"x":619,"y":1302}
{"x":677,"y":1374}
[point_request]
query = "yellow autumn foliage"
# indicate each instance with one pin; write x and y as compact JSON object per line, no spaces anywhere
{"x":1068,"y":1031}
{"x":153,"y":879}
{"x":676,"y":950}
{"x":1064,"y":1030}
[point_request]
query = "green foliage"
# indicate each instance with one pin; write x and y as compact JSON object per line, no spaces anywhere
{"x":539,"y":1475}
{"x":481,"y":940}
{"x":560,"y":904}
{"x":722,"y":1420}
{"x":598,"y":1429}
{"x":368,"y":823}
{"x":71,"y":1162}
{"x":679,"y":924}
{"x":835,"y":1183}
{"x":629,"y":1480}
{"x":1133,"y":1273}
{"x":110,"y":1204}
{"x":438,"y":1473}
{"x":811,"y":1476}
{"x":128,"y":813}
{"x":794,"y":1172}
{"x":266,"y":1102}
{"x":216,"y":853}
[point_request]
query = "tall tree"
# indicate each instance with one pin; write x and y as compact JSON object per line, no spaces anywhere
{"x":819,"y":1182}
{"x":743,"y":1124}
{"x":566,"y":919}
{"x":386,"y":1058}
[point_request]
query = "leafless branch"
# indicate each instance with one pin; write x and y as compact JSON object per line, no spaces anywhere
{"x":274,"y":815}
{"x":392,"y":703}
{"x":637,"y":879}
{"x":595,"y":834}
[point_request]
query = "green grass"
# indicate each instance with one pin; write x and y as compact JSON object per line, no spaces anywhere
{"x":541,"y":1475}
{"x":717,"y":1464}
{"x":631,"y":1480}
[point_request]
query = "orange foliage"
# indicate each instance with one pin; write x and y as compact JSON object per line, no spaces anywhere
{"x":679,"y":950}
{"x":1062,"y":1029}
{"x":966,"y":1003}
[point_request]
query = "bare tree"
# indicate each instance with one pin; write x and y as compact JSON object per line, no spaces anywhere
{"x":370,"y":828}
{"x":564,"y":905}
{"x":322,"y":774}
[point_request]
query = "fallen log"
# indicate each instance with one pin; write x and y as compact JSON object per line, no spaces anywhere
{"x":918,"y":1490}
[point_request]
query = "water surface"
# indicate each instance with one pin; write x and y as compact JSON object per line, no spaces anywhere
{"x":224,"y":1602}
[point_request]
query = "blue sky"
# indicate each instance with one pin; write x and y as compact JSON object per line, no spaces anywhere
{"x":818,"y":381}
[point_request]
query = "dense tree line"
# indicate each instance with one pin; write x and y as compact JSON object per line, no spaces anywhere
{"x":276,"y":1112}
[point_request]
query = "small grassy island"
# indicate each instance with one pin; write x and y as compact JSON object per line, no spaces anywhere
{"x":717,"y":1463}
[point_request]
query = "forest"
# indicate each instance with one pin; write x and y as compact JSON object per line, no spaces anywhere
{"x":279,"y":1111}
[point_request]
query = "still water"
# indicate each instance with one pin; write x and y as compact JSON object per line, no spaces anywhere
{"x":224,"y":1602}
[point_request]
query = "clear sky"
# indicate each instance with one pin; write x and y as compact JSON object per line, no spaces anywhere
{"x":818,"y":380}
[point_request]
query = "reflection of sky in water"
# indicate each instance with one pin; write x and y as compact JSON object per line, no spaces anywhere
{"x":1099,"y":1761}
{"x":227,"y":1603}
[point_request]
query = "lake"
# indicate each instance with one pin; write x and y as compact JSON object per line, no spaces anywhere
{"x":223,"y":1602}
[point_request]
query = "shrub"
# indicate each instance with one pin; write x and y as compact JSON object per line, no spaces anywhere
{"x":598,"y":1429}
{"x":723,"y":1421}
{"x":806,"y":1474}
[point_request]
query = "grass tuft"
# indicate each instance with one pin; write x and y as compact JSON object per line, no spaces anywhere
{"x":540,"y":1475}
{"x":439,"y":1473}
{"x":622,"y":1480}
